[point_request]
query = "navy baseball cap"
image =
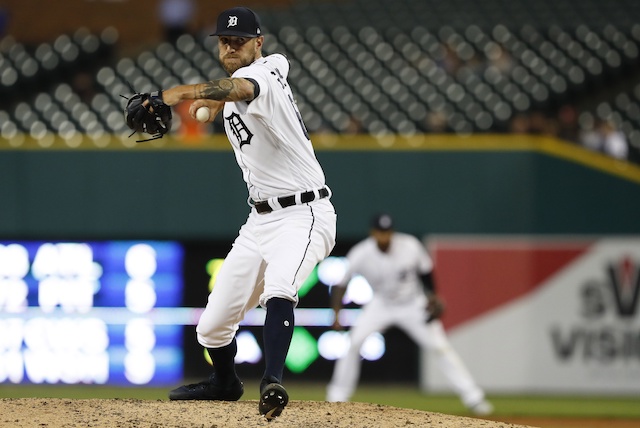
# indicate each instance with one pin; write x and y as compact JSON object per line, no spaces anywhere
{"x":238,"y":21}
{"x":382,"y":222}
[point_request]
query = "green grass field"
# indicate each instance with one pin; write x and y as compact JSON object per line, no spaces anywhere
{"x":392,"y":395}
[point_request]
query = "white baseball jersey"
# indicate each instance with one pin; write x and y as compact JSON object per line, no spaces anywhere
{"x":394,"y":275}
{"x":268,"y":136}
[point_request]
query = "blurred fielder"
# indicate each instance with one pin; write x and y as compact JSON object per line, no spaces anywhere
{"x":399,"y":270}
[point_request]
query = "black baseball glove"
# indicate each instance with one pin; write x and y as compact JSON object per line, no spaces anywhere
{"x":148,"y":113}
{"x":435,"y":307}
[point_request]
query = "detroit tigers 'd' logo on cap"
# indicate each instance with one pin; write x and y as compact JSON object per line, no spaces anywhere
{"x":239,"y":22}
{"x":233,"y":21}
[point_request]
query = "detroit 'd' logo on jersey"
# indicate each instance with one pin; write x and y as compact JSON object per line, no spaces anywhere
{"x":239,"y":129}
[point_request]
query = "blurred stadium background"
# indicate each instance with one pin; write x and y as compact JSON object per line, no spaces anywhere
{"x":512,"y":121}
{"x":552,"y":67}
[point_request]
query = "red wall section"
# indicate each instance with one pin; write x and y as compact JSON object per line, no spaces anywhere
{"x":474,"y":277}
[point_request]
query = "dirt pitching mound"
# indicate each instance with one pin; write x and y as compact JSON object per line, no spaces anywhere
{"x":60,"y":413}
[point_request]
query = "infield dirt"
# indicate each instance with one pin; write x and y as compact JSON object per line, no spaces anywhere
{"x":115,"y":413}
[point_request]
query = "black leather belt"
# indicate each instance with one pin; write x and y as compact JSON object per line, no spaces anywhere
{"x":287,"y":201}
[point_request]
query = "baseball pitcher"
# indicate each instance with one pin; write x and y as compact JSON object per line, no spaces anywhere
{"x":292,"y":223}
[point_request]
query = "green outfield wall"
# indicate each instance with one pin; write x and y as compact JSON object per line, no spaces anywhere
{"x":488,"y":184}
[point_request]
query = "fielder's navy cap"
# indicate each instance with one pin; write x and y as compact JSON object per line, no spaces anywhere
{"x":238,"y":21}
{"x":382,"y":222}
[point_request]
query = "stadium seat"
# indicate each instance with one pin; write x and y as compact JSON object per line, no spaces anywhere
{"x":385,"y":65}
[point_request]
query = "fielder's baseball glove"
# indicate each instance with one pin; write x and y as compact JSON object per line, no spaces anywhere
{"x":147,"y":112}
{"x":435,"y":307}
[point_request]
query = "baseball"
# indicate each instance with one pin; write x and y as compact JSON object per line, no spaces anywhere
{"x":202,"y":114}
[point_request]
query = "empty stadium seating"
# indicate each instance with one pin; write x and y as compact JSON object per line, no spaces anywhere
{"x":380,"y":66}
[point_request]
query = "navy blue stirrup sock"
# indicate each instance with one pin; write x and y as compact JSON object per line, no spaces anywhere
{"x":223,"y":362}
{"x":277,"y":333}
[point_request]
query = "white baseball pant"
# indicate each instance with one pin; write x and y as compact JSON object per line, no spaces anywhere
{"x":272,"y":256}
{"x":377,"y":316}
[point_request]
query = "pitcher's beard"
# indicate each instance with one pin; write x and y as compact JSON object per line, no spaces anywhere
{"x":232,"y":66}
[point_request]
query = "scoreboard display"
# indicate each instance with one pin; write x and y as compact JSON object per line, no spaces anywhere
{"x":83,"y":312}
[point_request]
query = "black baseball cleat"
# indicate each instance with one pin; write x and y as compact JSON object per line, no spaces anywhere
{"x":208,"y":390}
{"x":273,"y":398}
